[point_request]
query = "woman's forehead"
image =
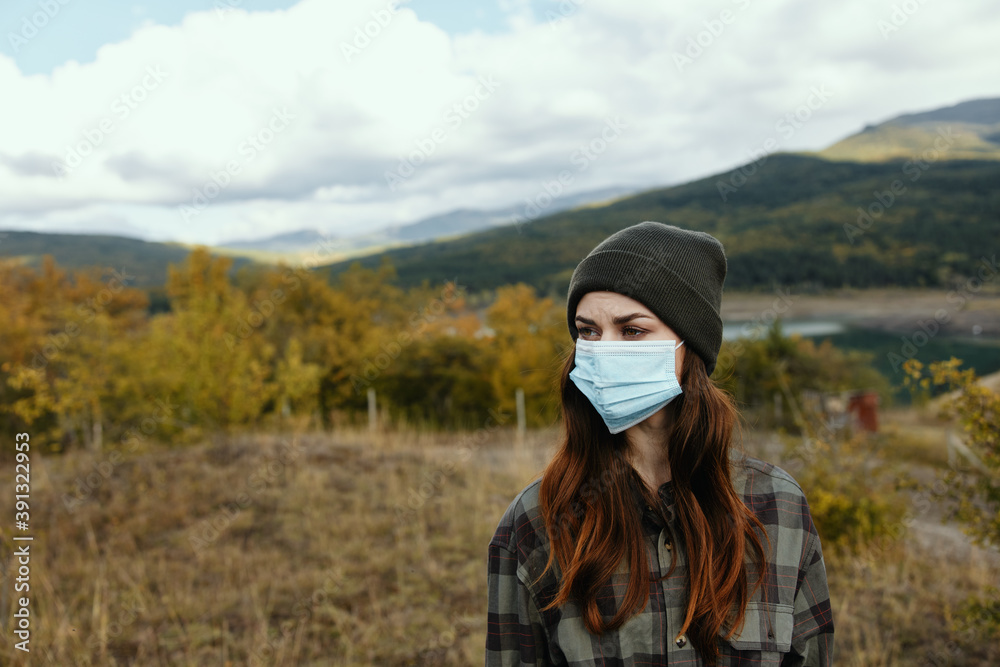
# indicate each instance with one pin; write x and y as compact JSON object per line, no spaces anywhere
{"x":609,"y":302}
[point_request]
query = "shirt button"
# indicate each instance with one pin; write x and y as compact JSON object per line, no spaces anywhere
{"x":681,"y":641}
{"x":668,"y":545}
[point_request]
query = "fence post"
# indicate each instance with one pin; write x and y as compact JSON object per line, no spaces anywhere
{"x":519,"y":401}
{"x":372,"y":414}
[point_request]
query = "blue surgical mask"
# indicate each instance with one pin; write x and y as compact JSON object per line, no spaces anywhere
{"x":626,"y":381}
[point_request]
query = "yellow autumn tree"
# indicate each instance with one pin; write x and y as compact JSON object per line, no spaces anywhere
{"x":296,"y":382}
{"x":529,"y":336}
{"x":81,"y":325}
{"x":337,"y":327}
{"x":192,"y":356}
{"x":22,"y":328}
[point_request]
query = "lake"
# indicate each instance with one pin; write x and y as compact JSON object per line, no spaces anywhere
{"x":981,"y":354}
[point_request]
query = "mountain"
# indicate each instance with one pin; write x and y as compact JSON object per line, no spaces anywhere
{"x":803,"y":221}
{"x":148,"y":261}
{"x":290,"y":246}
{"x":464,"y":221}
{"x":967,"y":131}
{"x":145,"y":260}
{"x":279,"y":243}
{"x":798,"y":221}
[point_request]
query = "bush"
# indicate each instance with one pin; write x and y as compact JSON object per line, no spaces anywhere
{"x":973,"y":493}
{"x":851,"y":499}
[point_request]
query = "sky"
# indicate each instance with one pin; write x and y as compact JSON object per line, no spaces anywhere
{"x":203,"y":122}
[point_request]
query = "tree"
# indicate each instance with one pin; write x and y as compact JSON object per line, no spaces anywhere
{"x":66,"y":351}
{"x":757,"y":369}
{"x":193,"y":356}
{"x":529,"y":334}
{"x":297,"y":381}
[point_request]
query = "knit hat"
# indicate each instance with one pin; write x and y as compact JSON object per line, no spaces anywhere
{"x":676,"y":273}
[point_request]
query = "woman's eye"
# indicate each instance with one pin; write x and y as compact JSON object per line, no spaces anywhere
{"x":631,"y":332}
{"x":585,"y":331}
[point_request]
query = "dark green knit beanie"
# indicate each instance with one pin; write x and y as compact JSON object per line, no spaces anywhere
{"x":676,"y":273}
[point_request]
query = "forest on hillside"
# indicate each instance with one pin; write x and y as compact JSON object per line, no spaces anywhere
{"x":793,"y":221}
{"x":83,"y":363}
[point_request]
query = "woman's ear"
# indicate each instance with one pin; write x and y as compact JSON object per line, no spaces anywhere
{"x":680,"y":356}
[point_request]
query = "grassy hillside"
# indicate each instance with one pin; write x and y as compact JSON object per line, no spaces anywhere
{"x":892,"y":141}
{"x":966,"y":131}
{"x":790,"y":224}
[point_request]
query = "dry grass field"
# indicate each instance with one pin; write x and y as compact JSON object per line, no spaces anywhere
{"x":361,"y":549}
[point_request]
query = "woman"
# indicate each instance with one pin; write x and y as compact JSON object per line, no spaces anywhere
{"x":646,"y":541}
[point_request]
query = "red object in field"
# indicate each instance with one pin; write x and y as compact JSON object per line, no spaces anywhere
{"x":865,"y":407}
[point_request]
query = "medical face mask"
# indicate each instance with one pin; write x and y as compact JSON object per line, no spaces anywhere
{"x":626,"y":381}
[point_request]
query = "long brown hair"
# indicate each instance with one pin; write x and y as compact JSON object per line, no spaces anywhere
{"x":587,"y":499}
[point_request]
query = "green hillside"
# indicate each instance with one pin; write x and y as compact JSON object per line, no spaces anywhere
{"x":888,"y":142}
{"x":966,"y":131}
{"x":146,"y":261}
{"x":789,"y":224}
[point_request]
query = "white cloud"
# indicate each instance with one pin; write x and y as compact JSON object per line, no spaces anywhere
{"x":169,"y":109}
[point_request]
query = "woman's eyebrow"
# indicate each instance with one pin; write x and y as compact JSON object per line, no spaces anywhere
{"x":622,"y":319}
{"x":619,"y":319}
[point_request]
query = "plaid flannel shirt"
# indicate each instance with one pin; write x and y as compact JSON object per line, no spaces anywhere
{"x":792,"y":625}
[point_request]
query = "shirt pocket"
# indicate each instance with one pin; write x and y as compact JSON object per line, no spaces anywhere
{"x":766,"y":635}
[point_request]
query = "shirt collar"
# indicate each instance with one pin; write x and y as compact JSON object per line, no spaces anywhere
{"x":666,"y":495}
